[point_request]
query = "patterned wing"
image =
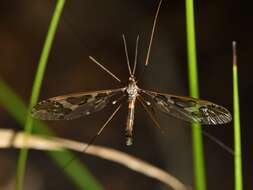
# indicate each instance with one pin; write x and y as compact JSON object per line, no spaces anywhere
{"x":76,"y":105}
{"x":188,"y":109}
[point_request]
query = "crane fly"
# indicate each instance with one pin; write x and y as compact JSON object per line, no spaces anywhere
{"x":73,"y":106}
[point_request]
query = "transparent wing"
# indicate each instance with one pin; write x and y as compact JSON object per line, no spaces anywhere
{"x":188,"y":109}
{"x":72,"y":106}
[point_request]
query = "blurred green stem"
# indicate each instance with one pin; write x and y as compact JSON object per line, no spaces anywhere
{"x":198,"y":155}
{"x":237,"y":130}
{"x":36,"y":89}
{"x":77,"y":172}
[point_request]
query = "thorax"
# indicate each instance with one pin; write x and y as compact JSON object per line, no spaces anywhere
{"x":132,"y":89}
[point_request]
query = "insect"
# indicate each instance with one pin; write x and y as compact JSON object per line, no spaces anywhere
{"x":73,"y":106}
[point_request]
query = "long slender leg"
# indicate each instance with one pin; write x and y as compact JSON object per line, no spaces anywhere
{"x":147,"y":109}
{"x":136,"y":54}
{"x":106,"y":123}
{"x":127,"y":57}
{"x":218,"y":142}
{"x":152,"y":34}
{"x":104,"y":68}
{"x":92,"y":140}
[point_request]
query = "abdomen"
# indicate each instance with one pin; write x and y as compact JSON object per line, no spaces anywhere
{"x":130,"y":121}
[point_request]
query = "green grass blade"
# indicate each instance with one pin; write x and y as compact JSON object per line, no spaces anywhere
{"x":79,"y":173}
{"x":36,"y":89}
{"x":237,"y":130}
{"x":76,"y":171}
{"x":198,"y":155}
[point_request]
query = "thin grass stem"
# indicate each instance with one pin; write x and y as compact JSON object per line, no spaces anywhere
{"x":237,"y":128}
{"x":78,"y":173}
{"x":36,"y":89}
{"x":197,"y":144}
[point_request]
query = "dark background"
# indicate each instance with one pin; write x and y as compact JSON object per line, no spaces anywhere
{"x":94,"y":28}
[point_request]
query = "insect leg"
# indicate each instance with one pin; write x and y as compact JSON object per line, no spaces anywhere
{"x":104,"y":68}
{"x":218,"y":142}
{"x":92,"y":140}
{"x":150,"y":40}
{"x":152,"y":33}
{"x":149,"y":111}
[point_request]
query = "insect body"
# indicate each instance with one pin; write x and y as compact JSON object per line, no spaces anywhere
{"x":132,"y":91}
{"x":73,"y":106}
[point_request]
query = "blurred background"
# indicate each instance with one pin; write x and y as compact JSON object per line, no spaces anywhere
{"x":93,"y":27}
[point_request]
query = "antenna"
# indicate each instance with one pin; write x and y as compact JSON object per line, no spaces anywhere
{"x":152,"y":33}
{"x":126,"y":52}
{"x":136,"y":54}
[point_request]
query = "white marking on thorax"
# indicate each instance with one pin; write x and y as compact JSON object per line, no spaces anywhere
{"x":132,"y":90}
